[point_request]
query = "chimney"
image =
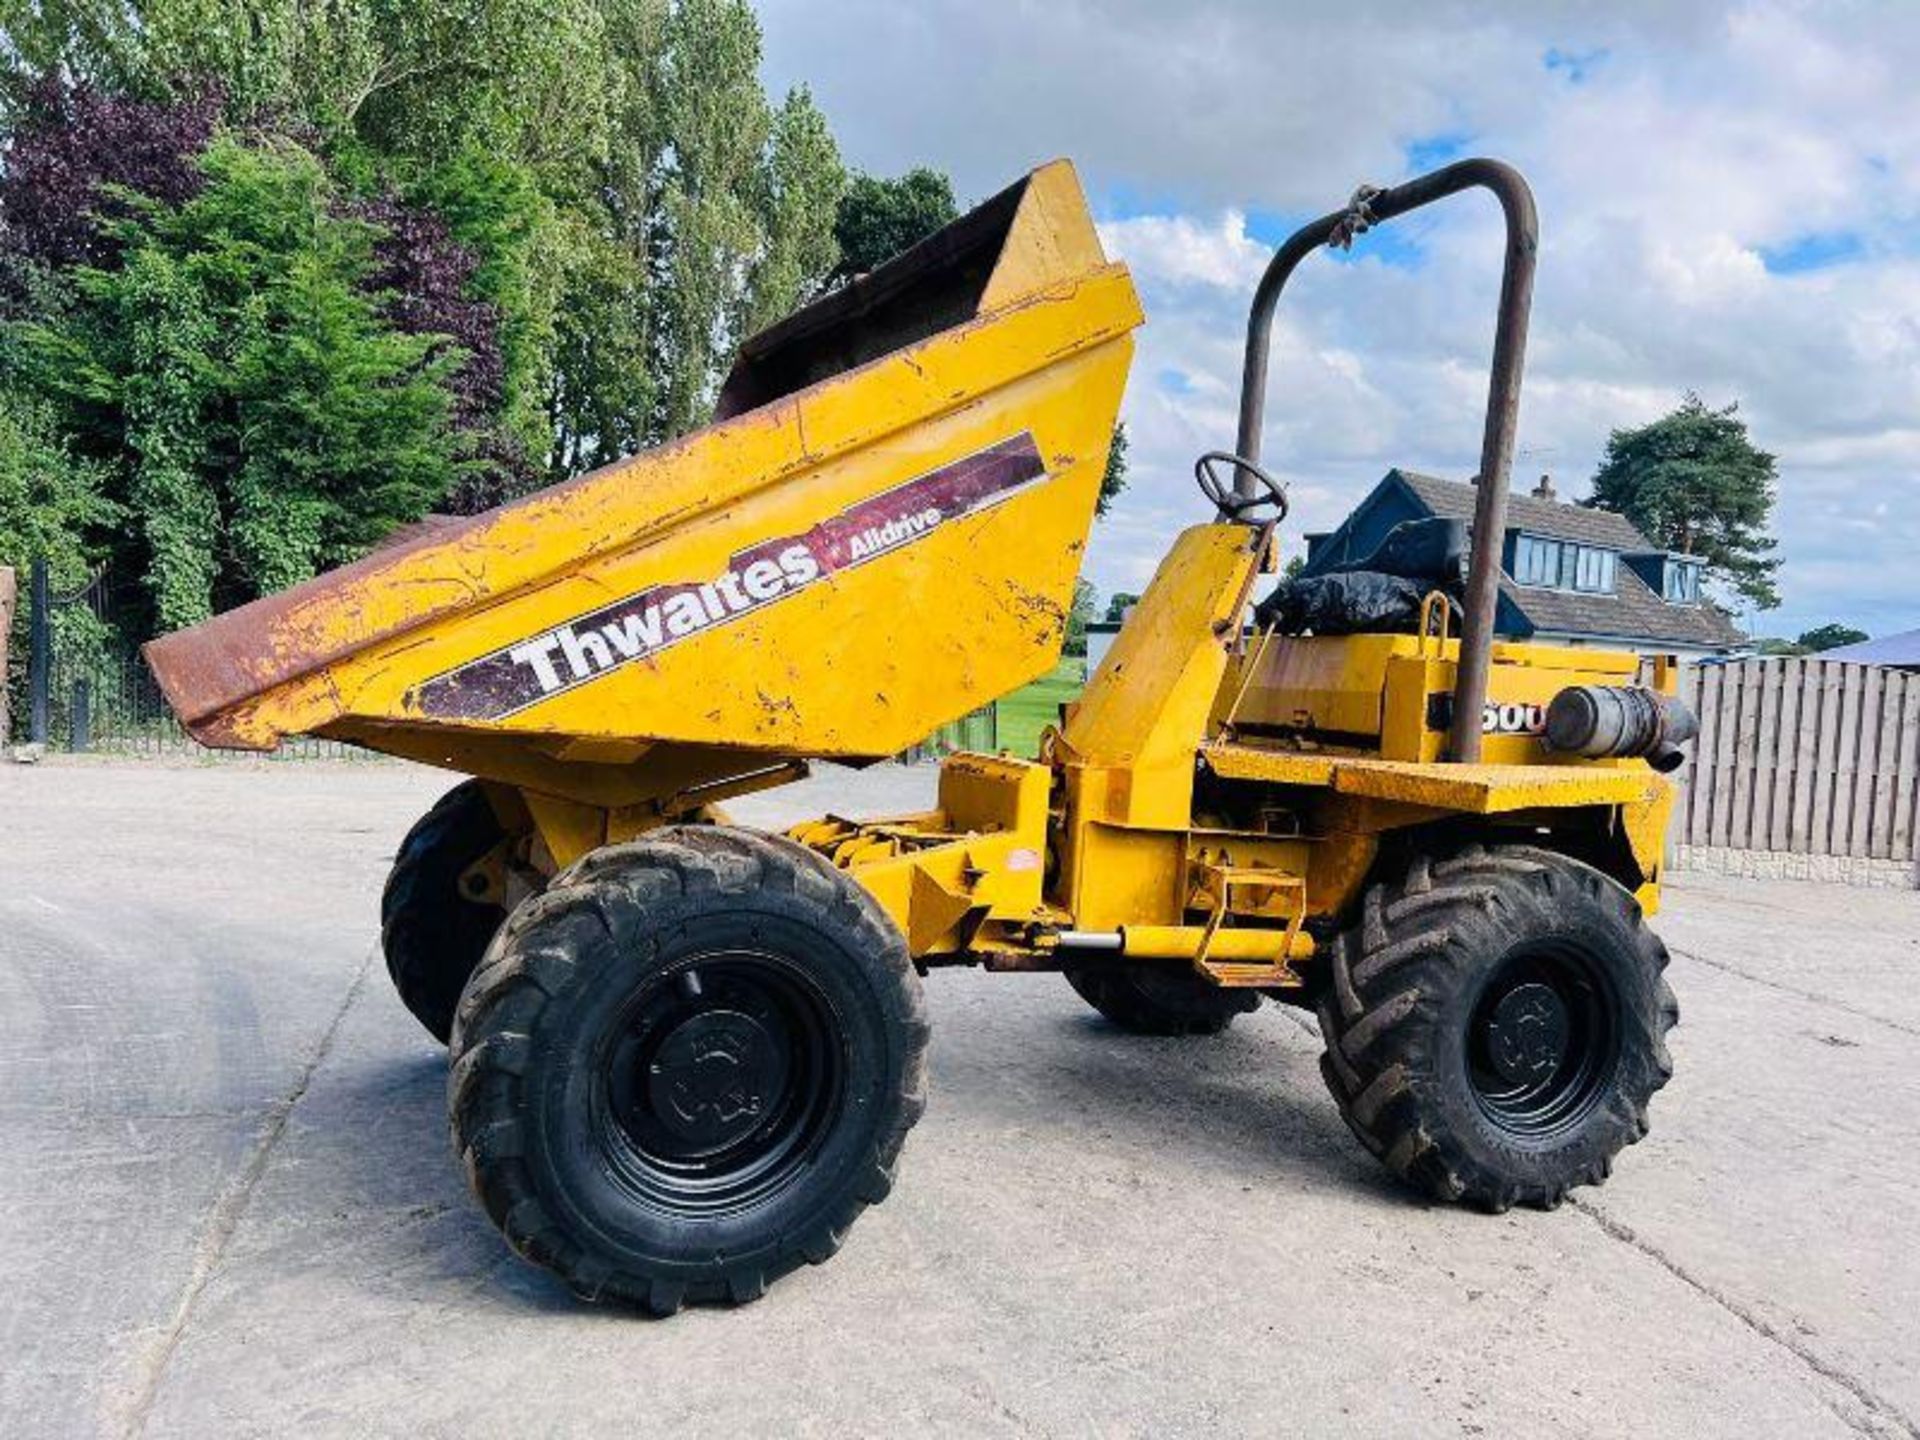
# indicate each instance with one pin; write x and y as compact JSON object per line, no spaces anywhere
{"x":1544,"y":490}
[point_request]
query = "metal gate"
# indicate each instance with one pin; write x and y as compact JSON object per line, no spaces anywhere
{"x":88,"y":689}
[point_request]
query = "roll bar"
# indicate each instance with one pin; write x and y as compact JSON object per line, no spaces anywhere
{"x":1368,"y":208}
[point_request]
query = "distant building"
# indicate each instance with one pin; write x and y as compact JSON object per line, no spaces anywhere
{"x":1571,"y":576}
{"x":1100,"y":635}
{"x":1901,"y":652}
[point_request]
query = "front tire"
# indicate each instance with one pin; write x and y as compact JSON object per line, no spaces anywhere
{"x":687,"y":1067}
{"x":1496,"y":1025}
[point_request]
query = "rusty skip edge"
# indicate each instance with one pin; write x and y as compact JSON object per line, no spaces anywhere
{"x":208,"y":669}
{"x":562,"y":657}
{"x":215,"y":666}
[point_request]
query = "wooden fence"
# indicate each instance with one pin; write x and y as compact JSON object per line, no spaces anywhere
{"x":1807,"y":757}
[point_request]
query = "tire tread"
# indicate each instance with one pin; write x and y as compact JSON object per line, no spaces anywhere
{"x":487,"y":1105}
{"x":427,"y":935}
{"x":1402,"y":952}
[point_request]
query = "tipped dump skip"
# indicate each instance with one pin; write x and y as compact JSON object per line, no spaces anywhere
{"x":879,"y":532}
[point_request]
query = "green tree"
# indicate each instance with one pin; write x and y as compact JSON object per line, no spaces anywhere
{"x":740,"y":190}
{"x":600,"y":395}
{"x":600,"y":389}
{"x":493,"y":207}
{"x":1119,"y":603}
{"x":1829,"y":637}
{"x":258,"y":415}
{"x":1114,"y":478}
{"x":51,"y":500}
{"x":90,"y":43}
{"x":879,"y":218}
{"x":1079,"y":616}
{"x":709,"y":215}
{"x":802,"y":170}
{"x":1693,"y":482}
{"x":424,"y":79}
{"x":636,"y":202}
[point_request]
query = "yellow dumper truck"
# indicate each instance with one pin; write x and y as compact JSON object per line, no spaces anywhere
{"x":685,"y":1054}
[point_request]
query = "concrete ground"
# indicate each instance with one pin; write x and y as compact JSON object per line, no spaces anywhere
{"x":227,"y":1206}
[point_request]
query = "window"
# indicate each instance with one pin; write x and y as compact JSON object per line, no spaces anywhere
{"x":1595,"y":570}
{"x":1537,"y":561}
{"x":1683,"y":581}
{"x":1563,"y":565}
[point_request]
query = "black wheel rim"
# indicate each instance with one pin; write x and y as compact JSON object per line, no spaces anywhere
{"x":1543,"y":1041}
{"x":718,"y":1082}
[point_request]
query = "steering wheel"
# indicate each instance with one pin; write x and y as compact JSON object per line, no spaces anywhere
{"x":1207,"y":470}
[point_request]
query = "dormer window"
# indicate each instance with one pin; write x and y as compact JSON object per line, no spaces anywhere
{"x":1564,"y":565}
{"x":1683,"y":580}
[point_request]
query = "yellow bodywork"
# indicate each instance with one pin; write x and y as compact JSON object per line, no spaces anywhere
{"x":1213,"y":794}
{"x":879,"y":533}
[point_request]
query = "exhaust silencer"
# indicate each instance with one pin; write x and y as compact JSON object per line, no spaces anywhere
{"x":1601,"y":721}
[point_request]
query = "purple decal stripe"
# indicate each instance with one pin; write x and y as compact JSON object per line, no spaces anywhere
{"x":645,"y":623}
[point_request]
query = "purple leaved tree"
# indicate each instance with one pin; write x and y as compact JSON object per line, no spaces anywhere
{"x":73,"y":144}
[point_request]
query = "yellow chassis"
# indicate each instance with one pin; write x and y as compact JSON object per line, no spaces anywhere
{"x":1108,"y":841}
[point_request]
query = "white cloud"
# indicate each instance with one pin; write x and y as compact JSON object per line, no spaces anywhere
{"x":1177,"y":250}
{"x":1699,"y":140}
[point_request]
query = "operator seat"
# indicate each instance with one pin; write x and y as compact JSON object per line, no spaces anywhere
{"x":1380,"y":593}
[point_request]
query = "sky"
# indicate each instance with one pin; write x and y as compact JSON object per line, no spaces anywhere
{"x":1729,"y":198}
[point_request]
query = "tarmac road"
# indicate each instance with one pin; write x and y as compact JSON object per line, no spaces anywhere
{"x":228,"y":1206}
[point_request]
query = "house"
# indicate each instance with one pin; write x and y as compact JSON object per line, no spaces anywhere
{"x":1571,"y":576}
{"x":1100,"y":635}
{"x":1900,"y":652}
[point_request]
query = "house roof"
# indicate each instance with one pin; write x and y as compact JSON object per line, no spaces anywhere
{"x":1902,"y":649}
{"x":1631,"y":612}
{"x":1554,"y":519}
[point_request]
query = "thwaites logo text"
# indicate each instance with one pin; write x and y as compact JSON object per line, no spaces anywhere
{"x":643,"y":624}
{"x":1513,"y":718}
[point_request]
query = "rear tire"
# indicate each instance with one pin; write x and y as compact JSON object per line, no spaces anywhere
{"x":1152,"y":999}
{"x":432,"y":933}
{"x":687,"y":1067}
{"x":1496,"y":1025}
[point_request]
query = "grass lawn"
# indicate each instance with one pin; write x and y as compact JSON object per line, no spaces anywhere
{"x":1030,"y":709}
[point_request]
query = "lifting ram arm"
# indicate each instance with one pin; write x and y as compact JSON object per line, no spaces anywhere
{"x":1370,"y":207}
